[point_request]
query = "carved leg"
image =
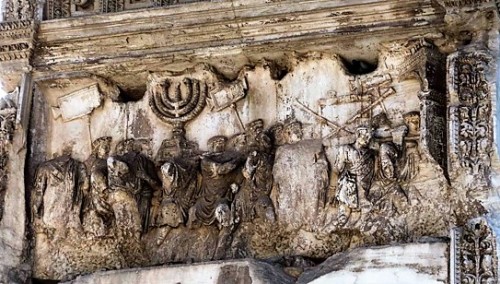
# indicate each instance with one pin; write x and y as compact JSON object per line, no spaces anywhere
{"x":223,"y":242}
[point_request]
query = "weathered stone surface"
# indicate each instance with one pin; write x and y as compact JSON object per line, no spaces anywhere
{"x":300,"y":184}
{"x":409,"y":263}
{"x":227,"y":272}
{"x":280,"y":130}
{"x":369,"y":173}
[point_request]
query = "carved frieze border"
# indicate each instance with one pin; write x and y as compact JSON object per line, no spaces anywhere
{"x":470,"y":110}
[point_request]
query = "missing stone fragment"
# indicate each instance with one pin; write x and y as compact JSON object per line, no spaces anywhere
{"x":358,"y":66}
{"x":132,"y":95}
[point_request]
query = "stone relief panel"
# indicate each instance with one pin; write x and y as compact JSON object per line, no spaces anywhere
{"x":16,"y":10}
{"x":203,"y":168}
{"x":474,"y":253}
{"x":57,"y":9}
{"x":470,"y":117}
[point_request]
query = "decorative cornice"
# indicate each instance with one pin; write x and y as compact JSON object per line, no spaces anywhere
{"x":166,"y":35}
{"x":89,"y":43}
{"x":16,"y":45}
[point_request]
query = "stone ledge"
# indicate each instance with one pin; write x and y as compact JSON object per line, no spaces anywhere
{"x":406,"y":263}
{"x":236,"y":271}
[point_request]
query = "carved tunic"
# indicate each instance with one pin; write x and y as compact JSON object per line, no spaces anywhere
{"x":179,"y":194}
{"x":144,"y":181}
{"x":219,"y":171}
{"x":411,"y":158}
{"x":59,"y":189}
{"x":356,"y":167}
{"x":99,"y":189}
{"x":257,"y":183}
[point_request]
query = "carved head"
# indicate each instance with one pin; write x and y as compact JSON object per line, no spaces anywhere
{"x":223,"y":215}
{"x":264,"y":209}
{"x":277,"y":134}
{"x":101,"y":147}
{"x":123,"y":147}
{"x":179,"y":133}
{"x":293,"y":131}
{"x":117,"y":168}
{"x":217,"y":144}
{"x":256,"y":127}
{"x":133,"y":145}
{"x":67,"y":150}
{"x":412,"y":120}
{"x":381,"y":121}
{"x":363,"y":136}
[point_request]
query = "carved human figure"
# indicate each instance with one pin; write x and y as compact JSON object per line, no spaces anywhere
{"x":180,"y":188}
{"x":355,"y":164}
{"x":257,"y":139}
{"x":254,"y":139}
{"x":59,"y":188}
{"x":398,"y":160}
{"x":124,"y":188}
{"x":177,"y":146}
{"x":293,"y":131}
{"x":257,"y":173}
{"x":134,"y":145}
{"x":99,"y":189}
{"x":276,"y":133}
{"x":220,"y":172}
{"x":7,"y":124}
{"x":257,"y":183}
{"x":139,"y":179}
{"x":179,"y":183}
{"x":411,"y":154}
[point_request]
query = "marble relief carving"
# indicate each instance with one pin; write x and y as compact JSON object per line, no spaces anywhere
{"x":8,"y":111}
{"x":178,"y":102}
{"x":474,"y":252}
{"x":470,"y":116}
{"x":206,"y":176}
{"x":16,"y":10}
{"x":56,"y":9}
